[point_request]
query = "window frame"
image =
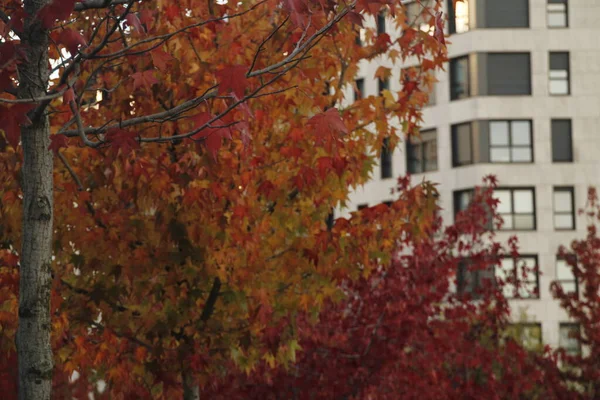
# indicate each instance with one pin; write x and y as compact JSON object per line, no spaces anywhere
{"x":555,"y":79}
{"x":517,"y":269}
{"x":419,"y":147}
{"x":512,"y":189}
{"x":510,"y":146}
{"x":566,"y":263}
{"x":571,"y":325}
{"x":572,"y":214}
{"x":550,"y":12}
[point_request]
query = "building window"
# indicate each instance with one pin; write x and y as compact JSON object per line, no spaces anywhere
{"x":505,"y":13}
{"x":386,"y":159}
{"x":360,"y":89}
{"x":558,"y":13}
{"x":510,"y":141}
{"x":562,"y":144}
{"x":473,"y":281}
{"x":507,"y":73}
{"x":462,"y":199}
{"x":564,"y":274}
{"x":381,"y":22}
{"x":520,"y":277}
{"x":330,"y":220}
{"x":459,"y":78}
{"x":421,"y":153}
{"x":458,"y":16}
{"x":382,"y":84}
{"x":564,"y":208}
{"x":528,"y":334}
{"x":462,"y":149}
{"x":362,"y":206}
{"x":568,"y":338}
{"x":559,"y":73}
{"x":517,"y":208}
{"x":388,"y":203}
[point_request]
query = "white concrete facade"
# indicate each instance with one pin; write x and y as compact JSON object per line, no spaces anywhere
{"x":582,"y":106}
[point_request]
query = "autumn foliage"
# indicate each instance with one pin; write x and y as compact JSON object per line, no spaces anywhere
{"x":199,"y":148}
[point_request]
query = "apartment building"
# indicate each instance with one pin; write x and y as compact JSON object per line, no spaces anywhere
{"x":520,"y":99}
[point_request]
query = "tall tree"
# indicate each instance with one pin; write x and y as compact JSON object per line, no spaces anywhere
{"x":199,"y":154}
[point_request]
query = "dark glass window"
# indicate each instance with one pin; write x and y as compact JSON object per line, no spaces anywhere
{"x":459,"y":78}
{"x":505,"y":13}
{"x":508,"y":74}
{"x":360,"y":89}
{"x":471,"y":281}
{"x":562,"y":144}
{"x":462,"y":147}
{"x":362,"y":206}
{"x":383,"y":84}
{"x":386,"y":159}
{"x":381,"y":22}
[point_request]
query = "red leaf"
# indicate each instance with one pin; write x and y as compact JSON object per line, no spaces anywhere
{"x":298,"y":10}
{"x":133,"y":20}
{"x":11,"y":119}
{"x":160,"y":59}
{"x":121,"y":139}
{"x":5,"y":81}
{"x":232,"y":79}
{"x":356,"y":18}
{"x":324,"y":164}
{"x":71,"y":39}
{"x":438,"y":32}
{"x":326,"y":126}
{"x":145,"y":78}
{"x":57,"y":142}
{"x":146,"y":18}
{"x":212,"y":135}
{"x":57,"y":10}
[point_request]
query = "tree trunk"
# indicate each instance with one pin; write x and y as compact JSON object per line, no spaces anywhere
{"x":33,"y":335}
{"x":191,"y":391}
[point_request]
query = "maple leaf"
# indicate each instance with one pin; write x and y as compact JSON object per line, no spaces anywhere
{"x":57,"y":10}
{"x":11,"y":118}
{"x":57,"y":142}
{"x":121,"y":139}
{"x":71,"y":39}
{"x":145,"y":78}
{"x":213,"y":135}
{"x":356,"y":18}
{"x":327,"y":125}
{"x":232,"y":79}
{"x":160,"y":59}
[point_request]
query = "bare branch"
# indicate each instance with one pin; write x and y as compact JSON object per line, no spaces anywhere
{"x":158,"y":117}
{"x":96,"y":4}
{"x":71,"y":172}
